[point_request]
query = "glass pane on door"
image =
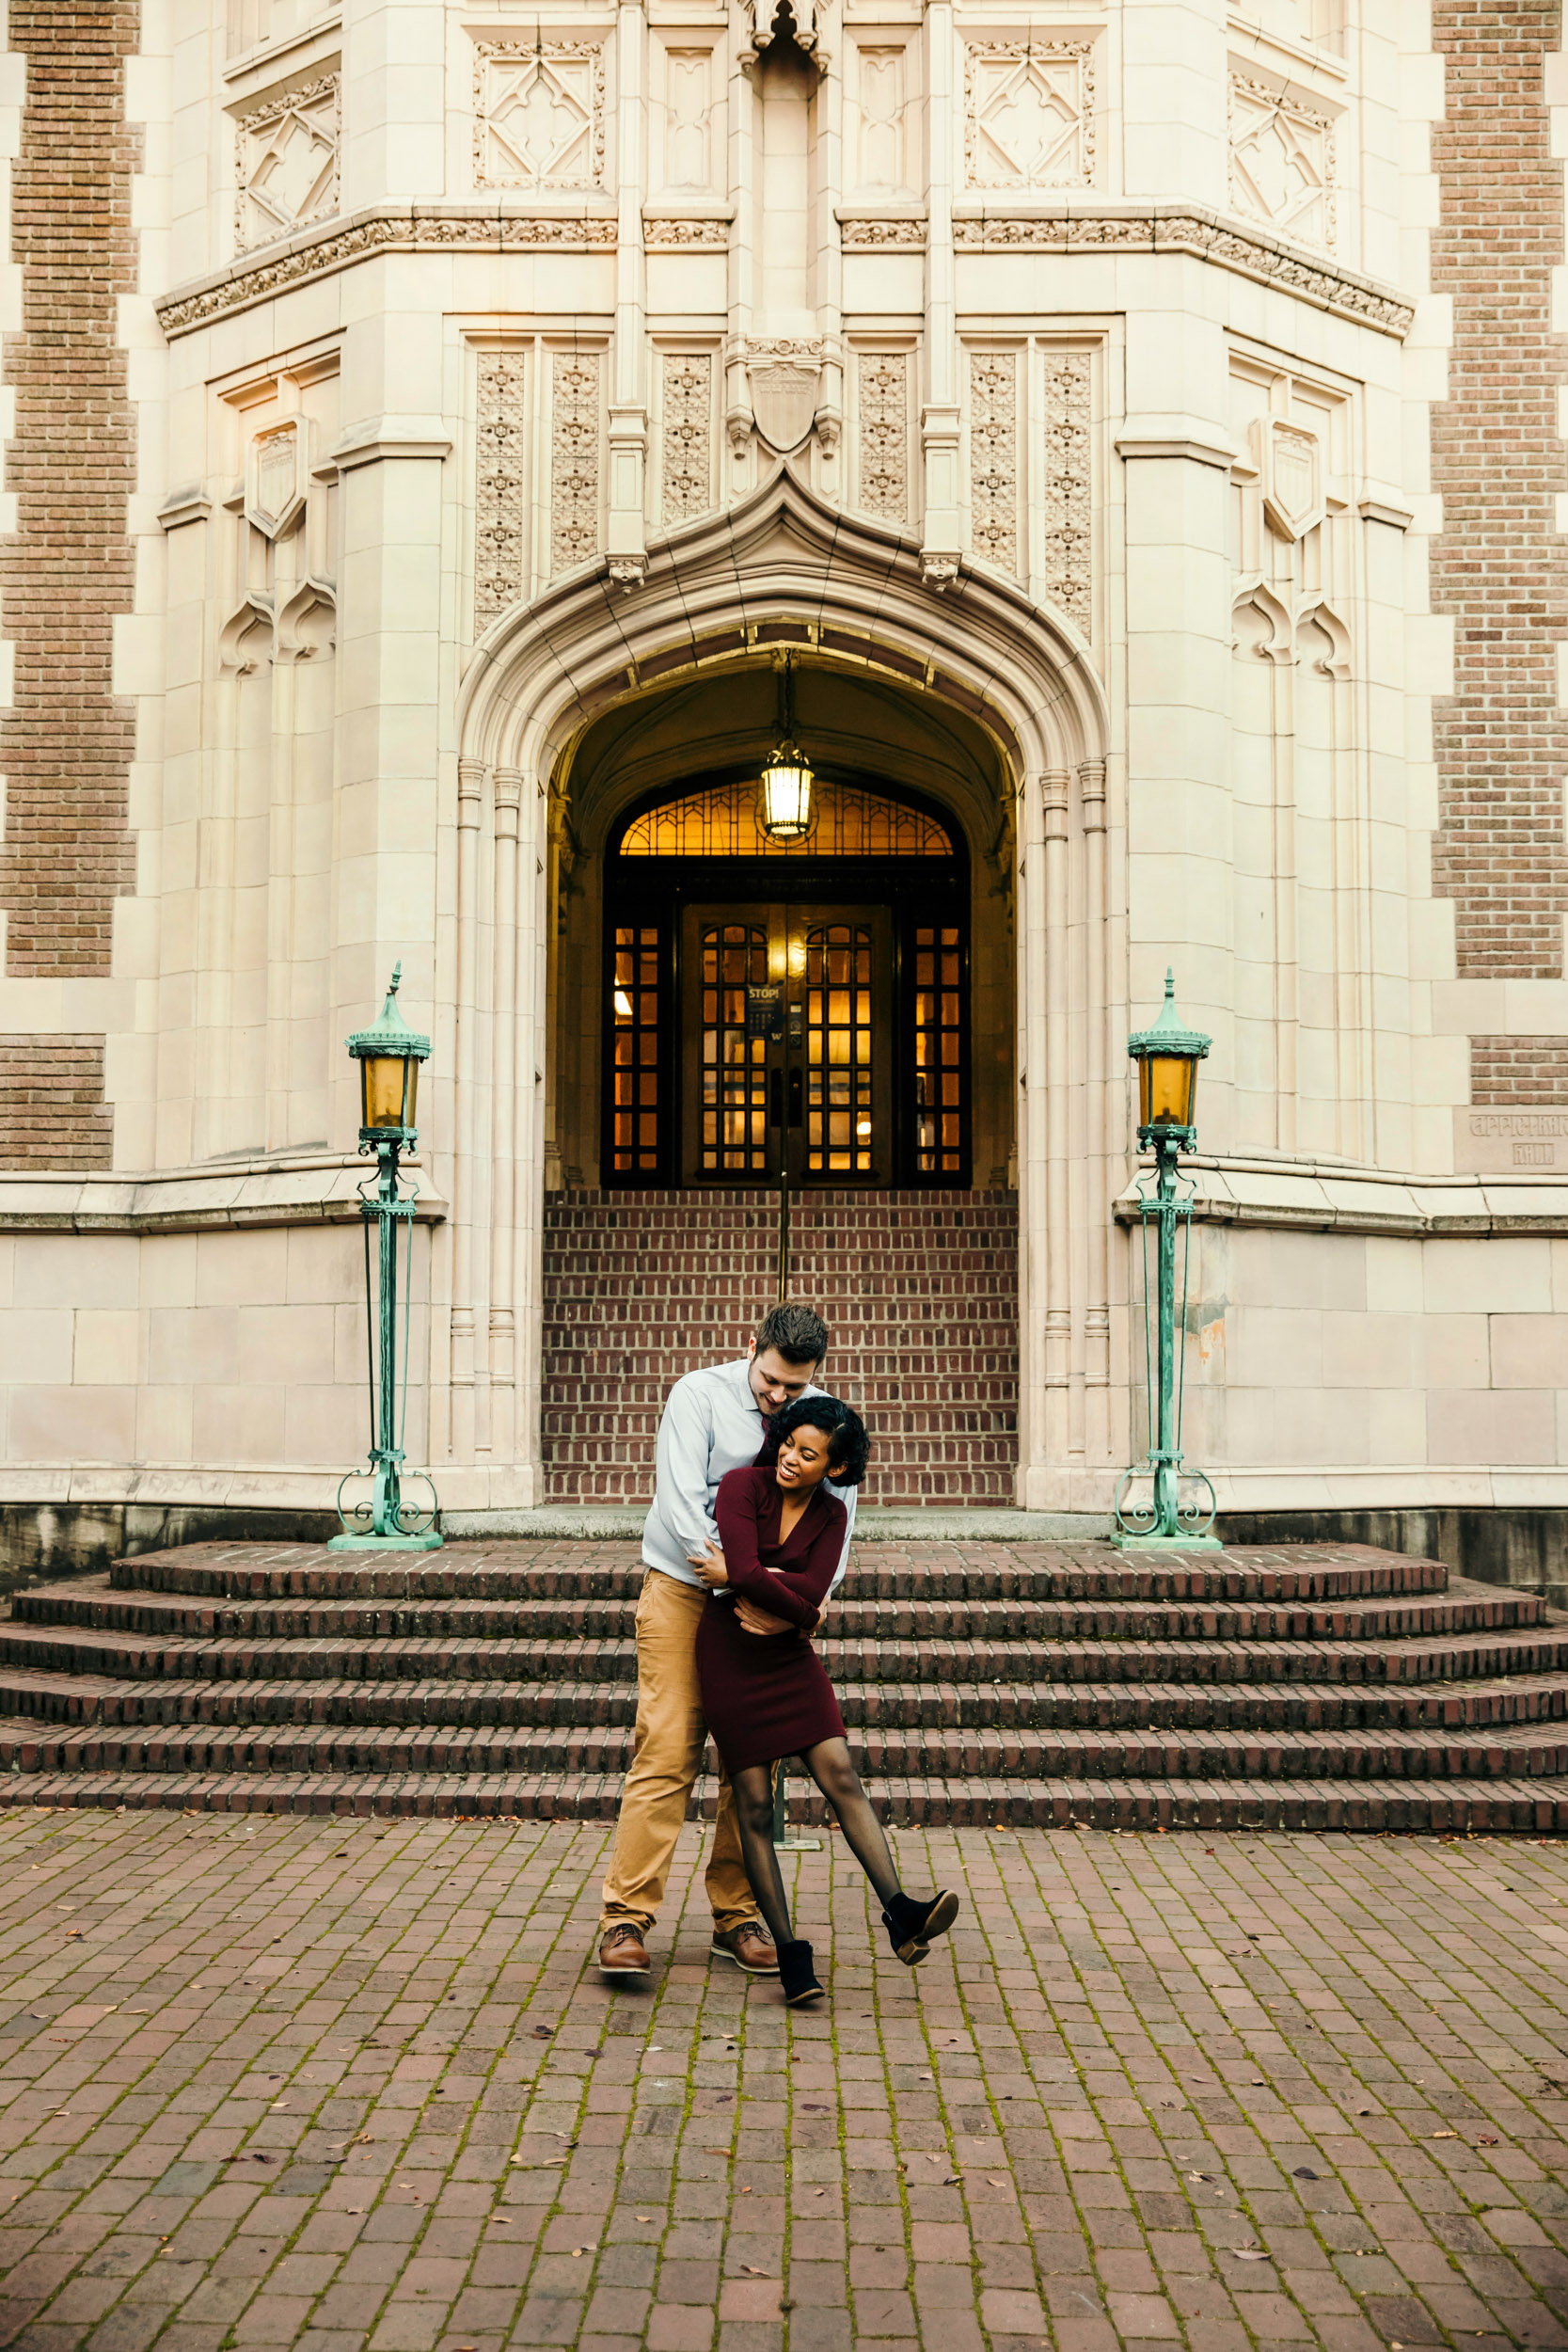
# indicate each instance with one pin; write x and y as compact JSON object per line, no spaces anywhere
{"x":840,"y":1051}
{"x":939,"y":1064}
{"x":734,"y":1105}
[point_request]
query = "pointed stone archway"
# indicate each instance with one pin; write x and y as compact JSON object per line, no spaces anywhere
{"x":783,"y":570}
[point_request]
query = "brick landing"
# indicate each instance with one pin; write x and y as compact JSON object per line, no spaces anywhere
{"x":1312,"y":1687}
{"x":353,"y":2087}
{"x":640,"y":1287}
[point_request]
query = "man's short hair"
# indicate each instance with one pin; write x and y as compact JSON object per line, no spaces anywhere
{"x":800,"y":1336}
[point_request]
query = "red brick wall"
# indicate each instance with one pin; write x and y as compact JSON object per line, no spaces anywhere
{"x":68,"y":743}
{"x":1507,"y":1071}
{"x":51,"y":1112}
{"x":1498,"y":569}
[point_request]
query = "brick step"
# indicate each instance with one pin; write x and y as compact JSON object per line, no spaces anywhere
{"x":483,"y":1657}
{"x":1465,"y":1607}
{"x":968,"y":1569}
{"x":878,"y":1709}
{"x":29,"y":1745}
{"x":1429,"y":1807}
{"x":960,"y":1487}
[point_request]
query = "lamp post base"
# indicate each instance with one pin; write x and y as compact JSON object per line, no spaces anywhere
{"x":429,"y":1542}
{"x":1168,"y":1543}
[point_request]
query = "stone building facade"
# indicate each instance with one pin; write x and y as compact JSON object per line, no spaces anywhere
{"x":445,"y":445}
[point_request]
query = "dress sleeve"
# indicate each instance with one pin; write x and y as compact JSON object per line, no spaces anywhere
{"x":796,"y":1595}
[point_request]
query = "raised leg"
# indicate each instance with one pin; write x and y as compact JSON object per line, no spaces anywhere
{"x":828,"y":1765}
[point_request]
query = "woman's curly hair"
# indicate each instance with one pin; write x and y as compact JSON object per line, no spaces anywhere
{"x":849,"y":1446}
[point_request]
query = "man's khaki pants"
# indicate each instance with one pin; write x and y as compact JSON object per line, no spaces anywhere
{"x":665,"y":1763}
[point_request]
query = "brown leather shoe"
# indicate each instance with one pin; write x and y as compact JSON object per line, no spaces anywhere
{"x":621,"y":1951}
{"x":750,"y":1947}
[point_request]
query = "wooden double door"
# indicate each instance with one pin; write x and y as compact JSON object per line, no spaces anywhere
{"x":786,"y":1044}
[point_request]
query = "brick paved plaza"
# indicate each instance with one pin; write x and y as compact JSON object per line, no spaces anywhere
{"x":279,"y":2081}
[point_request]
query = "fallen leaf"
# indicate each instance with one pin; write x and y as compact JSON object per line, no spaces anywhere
{"x":1250,"y":2254}
{"x":990,"y":2184}
{"x":648,"y":2217}
{"x":542,"y":2033}
{"x":1304,"y":2172}
{"x":1445,"y":2135}
{"x":1484,"y":2142}
{"x":1257,"y":2082}
{"x":753,"y":2272}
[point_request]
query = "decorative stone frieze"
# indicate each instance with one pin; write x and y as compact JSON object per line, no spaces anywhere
{"x":1282,"y":161}
{"x":1207,"y":235}
{"x":286,"y":162}
{"x":1029,"y":114}
{"x":882,"y":389}
{"x":993,"y":456}
{"x":576,"y":464}
{"x":711,"y":233}
{"x":539,"y":114}
{"x":241,"y":286}
{"x":500,"y":503}
{"x":686,"y":486}
{"x":1067,"y":484}
{"x":881,"y":231}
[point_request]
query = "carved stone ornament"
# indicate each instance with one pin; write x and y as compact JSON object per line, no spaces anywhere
{"x":1292,"y":478}
{"x":539,"y":114}
{"x":806,"y":18}
{"x":278,"y":477}
{"x":286,"y":162}
{"x":785,"y":381}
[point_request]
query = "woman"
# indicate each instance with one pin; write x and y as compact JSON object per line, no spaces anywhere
{"x":766,"y":1695}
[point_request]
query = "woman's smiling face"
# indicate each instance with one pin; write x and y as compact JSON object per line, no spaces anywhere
{"x":803,"y":1460}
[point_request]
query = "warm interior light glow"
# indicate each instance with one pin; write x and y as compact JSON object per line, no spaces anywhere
{"x":786,"y":781}
{"x":623,"y":1004}
{"x":1169,"y":1081}
{"x":864,"y":1127}
{"x":383,"y":1079}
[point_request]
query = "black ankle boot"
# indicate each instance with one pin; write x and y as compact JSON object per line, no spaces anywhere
{"x":797,"y":1976}
{"x":910,"y":1926}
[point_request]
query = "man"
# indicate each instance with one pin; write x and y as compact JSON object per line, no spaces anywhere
{"x":714,"y":1421}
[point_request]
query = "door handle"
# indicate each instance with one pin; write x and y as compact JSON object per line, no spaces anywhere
{"x":796,"y":1098}
{"x":775,"y":1098}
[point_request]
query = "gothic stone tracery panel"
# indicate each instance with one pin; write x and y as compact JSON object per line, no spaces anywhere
{"x":1029,"y":114}
{"x":1068,"y":485}
{"x":686,"y":473}
{"x":539,"y":114}
{"x":882,"y":388}
{"x":1282,"y":161}
{"x":286,"y":162}
{"x":993,"y":456}
{"x":575,"y":458}
{"x":500,"y":489}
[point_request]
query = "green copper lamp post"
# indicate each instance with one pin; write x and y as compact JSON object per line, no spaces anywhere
{"x":1168,"y":1056}
{"x":388,"y":1054}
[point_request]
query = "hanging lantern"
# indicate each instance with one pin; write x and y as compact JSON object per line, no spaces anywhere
{"x":786,"y":812}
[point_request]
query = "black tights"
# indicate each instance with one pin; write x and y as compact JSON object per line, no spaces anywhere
{"x":828,"y":1765}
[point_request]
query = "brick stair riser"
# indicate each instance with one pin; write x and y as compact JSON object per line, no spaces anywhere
{"x":954,"y":1663}
{"x":879,"y":1574}
{"x":1232,"y":1712}
{"x":879,"y":1755}
{"x":986,"y":1623}
{"x":622,"y":1271}
{"x":1429,"y":1808}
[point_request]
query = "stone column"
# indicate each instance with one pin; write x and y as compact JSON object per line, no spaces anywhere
{"x":628,"y":398}
{"x":941,"y":537}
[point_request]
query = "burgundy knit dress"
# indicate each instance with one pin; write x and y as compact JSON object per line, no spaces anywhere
{"x":765,"y":1694}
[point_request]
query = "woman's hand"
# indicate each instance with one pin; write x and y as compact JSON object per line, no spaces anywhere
{"x":752,"y":1619}
{"x":709,"y":1565}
